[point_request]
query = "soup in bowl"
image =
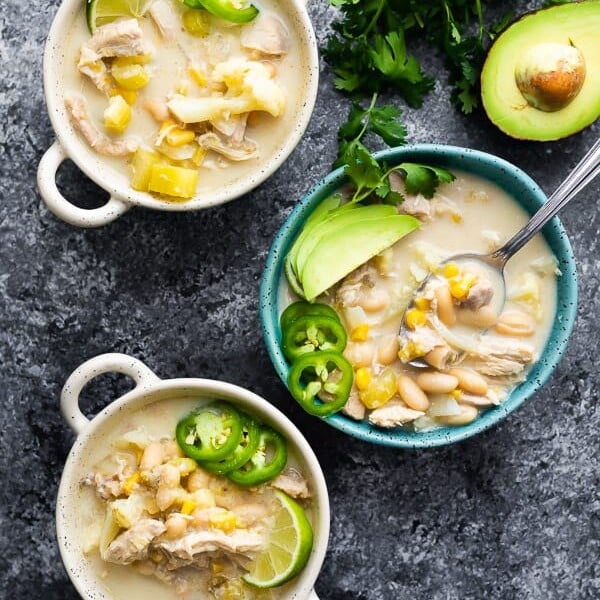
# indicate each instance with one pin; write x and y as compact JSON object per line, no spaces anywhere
{"x":188,"y":488}
{"x":175,"y":107}
{"x":340,"y":350}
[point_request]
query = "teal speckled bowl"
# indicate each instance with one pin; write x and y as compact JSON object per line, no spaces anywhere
{"x":518,"y":185}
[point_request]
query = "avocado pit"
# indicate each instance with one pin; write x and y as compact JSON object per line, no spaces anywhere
{"x":550,"y":75}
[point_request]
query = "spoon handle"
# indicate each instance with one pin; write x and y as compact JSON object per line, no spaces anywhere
{"x":585,"y":171}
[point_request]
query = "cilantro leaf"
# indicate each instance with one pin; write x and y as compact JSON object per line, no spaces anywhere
{"x":385,"y":122}
{"x":424,"y":179}
{"x":362,"y":169}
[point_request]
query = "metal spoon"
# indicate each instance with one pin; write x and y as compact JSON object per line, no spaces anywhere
{"x":585,"y":171}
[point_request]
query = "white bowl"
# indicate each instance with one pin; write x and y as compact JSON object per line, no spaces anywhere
{"x":70,"y":145}
{"x":150,"y":389}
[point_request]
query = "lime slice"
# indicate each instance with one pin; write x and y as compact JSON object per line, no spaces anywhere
{"x":100,"y":12}
{"x":288,"y":549}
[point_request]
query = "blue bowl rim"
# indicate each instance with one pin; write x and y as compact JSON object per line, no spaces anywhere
{"x":551,"y":355}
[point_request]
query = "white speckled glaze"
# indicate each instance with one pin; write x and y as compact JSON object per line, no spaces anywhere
{"x":149,"y":389}
{"x":70,"y":145}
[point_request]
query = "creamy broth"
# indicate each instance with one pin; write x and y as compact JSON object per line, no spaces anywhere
{"x":124,"y":582}
{"x":469,"y":215}
{"x":169,"y":69}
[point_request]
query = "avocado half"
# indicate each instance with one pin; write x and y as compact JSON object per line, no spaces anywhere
{"x":541,"y":78}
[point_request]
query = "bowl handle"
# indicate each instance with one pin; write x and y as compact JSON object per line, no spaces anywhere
{"x":60,"y":206}
{"x":105,"y":363}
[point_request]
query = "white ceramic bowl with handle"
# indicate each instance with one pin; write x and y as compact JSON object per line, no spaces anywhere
{"x":70,"y":145}
{"x":150,"y":389}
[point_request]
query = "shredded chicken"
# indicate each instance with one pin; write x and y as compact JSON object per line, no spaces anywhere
{"x":77,"y":107}
{"x":133,"y":544}
{"x":292,"y":483}
{"x":266,"y":35}
{"x":119,"y":38}
{"x":165,"y":19}
{"x":186,"y":548}
{"x":501,"y":357}
{"x":354,"y":408}
{"x":479,"y":295}
{"x":244,"y":150}
{"x":392,"y":414}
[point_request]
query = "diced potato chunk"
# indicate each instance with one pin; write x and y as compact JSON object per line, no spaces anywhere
{"x":117,"y":114}
{"x":130,"y":77}
{"x":141,"y":165}
{"x":173,"y":181}
{"x":140,"y":59}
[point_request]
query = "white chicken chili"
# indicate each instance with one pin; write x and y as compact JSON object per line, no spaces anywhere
{"x":180,"y":101}
{"x":476,"y":354}
{"x":157,"y":523}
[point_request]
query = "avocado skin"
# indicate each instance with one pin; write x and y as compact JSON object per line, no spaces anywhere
{"x":575,"y":23}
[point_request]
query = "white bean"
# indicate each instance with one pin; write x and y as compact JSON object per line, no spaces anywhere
{"x":467,"y":415}
{"x":198,"y":480}
{"x":470,"y":381}
{"x":445,"y":306}
{"x":360,"y":354}
{"x":514,"y":322}
{"x":387,"y":353}
{"x":169,"y":476}
{"x":412,"y":395}
{"x":176,"y":526}
{"x":483,"y":317}
{"x":437,"y":383}
{"x":152,"y":456}
{"x":374,"y":300}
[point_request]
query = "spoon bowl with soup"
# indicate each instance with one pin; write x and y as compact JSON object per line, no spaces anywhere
{"x":487,"y":295}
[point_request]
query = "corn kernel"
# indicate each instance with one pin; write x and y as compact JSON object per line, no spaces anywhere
{"x":188,"y":506}
{"x":415,"y":318}
{"x":225,"y":521}
{"x":173,"y":181}
{"x":360,"y":333}
{"x":198,"y":74}
{"x":456,"y":394}
{"x":456,"y":218}
{"x":117,"y":114}
{"x":179,"y":137}
{"x":451,"y":270}
{"x":130,"y":483}
{"x":130,"y":77}
{"x":362,"y":378}
{"x":422,"y":303}
{"x":141,"y":165}
{"x":196,"y":22}
{"x":459,"y":287}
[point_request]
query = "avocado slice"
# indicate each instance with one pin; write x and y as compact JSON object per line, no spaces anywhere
{"x":348,"y":247}
{"x":541,"y":78}
{"x":338,"y":219}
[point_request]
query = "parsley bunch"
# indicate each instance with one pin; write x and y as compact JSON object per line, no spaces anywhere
{"x":369,"y":54}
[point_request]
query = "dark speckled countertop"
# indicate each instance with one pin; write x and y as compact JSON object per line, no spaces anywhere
{"x":512,"y":513}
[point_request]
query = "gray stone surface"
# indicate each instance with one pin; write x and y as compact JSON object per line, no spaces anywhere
{"x":513,"y":513}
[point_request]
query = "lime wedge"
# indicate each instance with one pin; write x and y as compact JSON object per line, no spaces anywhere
{"x":100,"y":12}
{"x":288,"y":549}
